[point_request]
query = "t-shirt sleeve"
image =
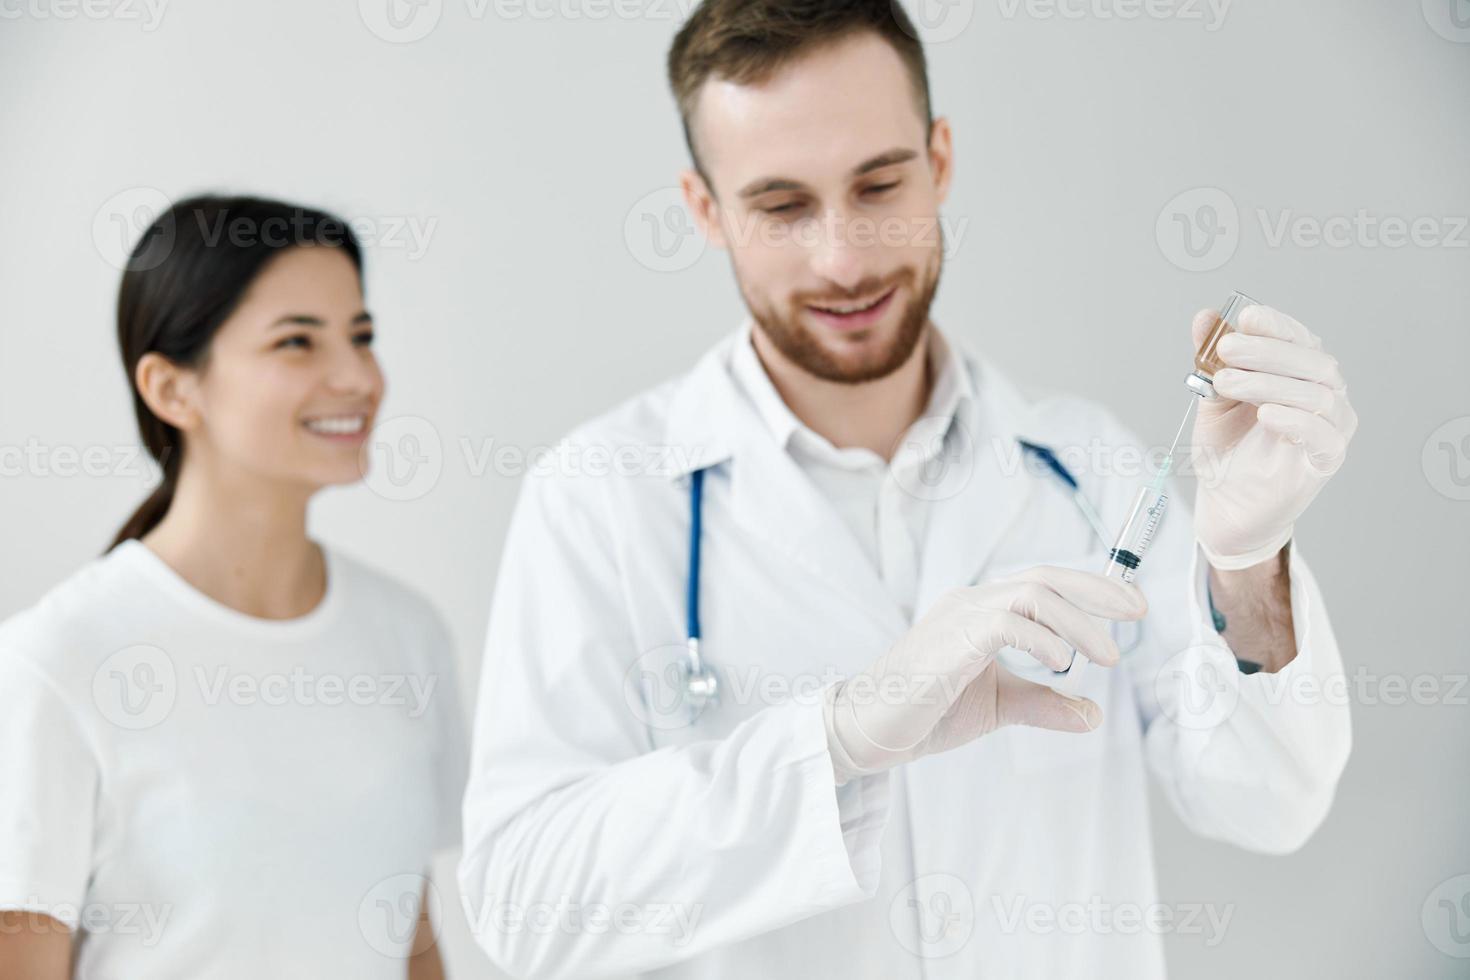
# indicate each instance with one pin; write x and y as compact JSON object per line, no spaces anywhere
{"x":49,"y":779}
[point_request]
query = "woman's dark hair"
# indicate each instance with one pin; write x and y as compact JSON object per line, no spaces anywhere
{"x":182,"y":281}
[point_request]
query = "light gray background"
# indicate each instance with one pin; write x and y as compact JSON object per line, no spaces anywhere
{"x":524,"y":136}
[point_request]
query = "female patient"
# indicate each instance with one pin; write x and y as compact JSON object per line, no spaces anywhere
{"x":225,"y":749}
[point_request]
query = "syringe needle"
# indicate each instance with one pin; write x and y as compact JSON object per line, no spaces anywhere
{"x":1178,"y":434}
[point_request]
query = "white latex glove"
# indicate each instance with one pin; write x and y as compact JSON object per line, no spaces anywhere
{"x":939,"y":686}
{"x":1265,"y":448}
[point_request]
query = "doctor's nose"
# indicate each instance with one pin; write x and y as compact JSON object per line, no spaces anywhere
{"x":835,"y":256}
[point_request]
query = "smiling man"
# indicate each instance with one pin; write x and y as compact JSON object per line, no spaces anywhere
{"x":791,"y":710}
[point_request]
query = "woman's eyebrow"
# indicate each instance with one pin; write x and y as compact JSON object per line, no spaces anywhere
{"x":309,"y":320}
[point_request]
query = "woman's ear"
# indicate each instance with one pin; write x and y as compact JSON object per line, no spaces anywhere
{"x":169,"y":391}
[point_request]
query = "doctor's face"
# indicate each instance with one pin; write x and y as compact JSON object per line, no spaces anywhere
{"x":824,"y":183}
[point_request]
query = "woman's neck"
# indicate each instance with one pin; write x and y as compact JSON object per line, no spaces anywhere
{"x":243,"y":543}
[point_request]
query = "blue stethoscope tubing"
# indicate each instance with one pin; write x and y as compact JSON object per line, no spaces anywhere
{"x":702,"y":687}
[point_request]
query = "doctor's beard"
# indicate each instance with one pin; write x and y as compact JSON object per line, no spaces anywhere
{"x":801,"y":345}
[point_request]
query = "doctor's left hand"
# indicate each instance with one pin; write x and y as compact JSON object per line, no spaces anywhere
{"x":1269,"y":443}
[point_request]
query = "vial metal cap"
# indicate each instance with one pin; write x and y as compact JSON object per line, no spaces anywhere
{"x":1200,"y":385}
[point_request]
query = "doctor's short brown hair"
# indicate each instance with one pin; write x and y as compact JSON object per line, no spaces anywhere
{"x":747,"y":41}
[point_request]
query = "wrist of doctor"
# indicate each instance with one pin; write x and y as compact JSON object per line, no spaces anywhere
{"x":1255,"y":605}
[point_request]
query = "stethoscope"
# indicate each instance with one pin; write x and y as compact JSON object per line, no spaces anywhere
{"x":701,"y":685}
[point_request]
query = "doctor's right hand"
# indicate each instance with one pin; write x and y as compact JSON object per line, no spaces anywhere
{"x":939,"y":686}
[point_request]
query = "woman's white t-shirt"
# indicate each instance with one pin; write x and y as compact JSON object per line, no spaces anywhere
{"x":211,"y":795}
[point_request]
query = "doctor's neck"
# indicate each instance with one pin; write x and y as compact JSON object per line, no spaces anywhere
{"x":871,"y":415}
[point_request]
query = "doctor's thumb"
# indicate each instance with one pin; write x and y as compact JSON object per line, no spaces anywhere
{"x":1023,"y":702}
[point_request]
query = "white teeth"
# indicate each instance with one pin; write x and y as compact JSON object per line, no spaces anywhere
{"x":336,"y":425}
{"x":852,"y":309}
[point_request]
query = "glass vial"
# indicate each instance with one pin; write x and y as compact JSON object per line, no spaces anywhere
{"x":1207,"y":359}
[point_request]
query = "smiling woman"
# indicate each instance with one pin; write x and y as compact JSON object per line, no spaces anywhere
{"x":282,"y":822}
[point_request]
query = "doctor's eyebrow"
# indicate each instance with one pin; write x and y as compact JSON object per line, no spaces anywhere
{"x":764,"y":185}
{"x":307,"y":320}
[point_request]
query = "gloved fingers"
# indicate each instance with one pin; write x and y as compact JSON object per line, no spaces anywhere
{"x":1014,"y":629}
{"x":1325,"y":445}
{"x":1022,"y":702}
{"x":1261,"y":389}
{"x":1264,"y":321}
{"x":1089,"y":591}
{"x":1280,"y":357}
{"x":1038,"y":603}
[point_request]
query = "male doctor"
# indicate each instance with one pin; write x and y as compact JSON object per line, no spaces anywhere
{"x":886,"y":781}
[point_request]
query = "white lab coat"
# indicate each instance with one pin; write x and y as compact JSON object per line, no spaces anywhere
{"x":606,"y":835}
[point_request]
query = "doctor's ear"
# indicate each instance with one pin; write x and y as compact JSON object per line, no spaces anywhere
{"x":941,"y":157}
{"x":700,"y":201}
{"x":170,"y":391}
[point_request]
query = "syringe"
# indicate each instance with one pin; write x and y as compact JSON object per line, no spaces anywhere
{"x":1147,"y":510}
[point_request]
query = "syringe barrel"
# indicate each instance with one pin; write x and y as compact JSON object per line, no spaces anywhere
{"x":1137,"y":534}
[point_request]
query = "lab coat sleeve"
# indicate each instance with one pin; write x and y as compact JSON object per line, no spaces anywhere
{"x":1250,"y":759}
{"x":586,"y":853}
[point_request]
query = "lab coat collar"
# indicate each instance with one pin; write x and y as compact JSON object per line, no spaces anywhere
{"x":978,"y":498}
